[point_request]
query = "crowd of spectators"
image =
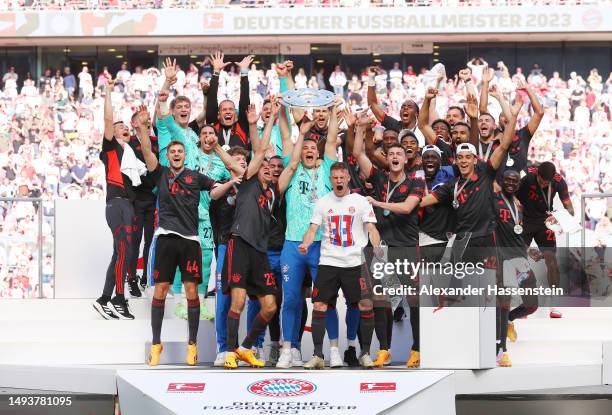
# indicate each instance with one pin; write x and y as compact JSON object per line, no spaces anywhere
{"x":16,"y":5}
{"x":51,"y":134}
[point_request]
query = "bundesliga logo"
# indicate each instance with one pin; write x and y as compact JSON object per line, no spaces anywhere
{"x":186,"y":387}
{"x":281,"y":388}
{"x":377,"y":387}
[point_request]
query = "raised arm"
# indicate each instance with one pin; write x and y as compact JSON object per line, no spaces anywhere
{"x":424,"y":124}
{"x":200,"y":120}
{"x":498,"y":156}
{"x":350,"y":120}
{"x":252,"y":118}
{"x":372,"y":152}
{"x":471,"y":109}
{"x":212,"y":107}
{"x":285,"y":132}
{"x":494,"y":92}
{"x":255,"y":163}
{"x":332,"y":133}
{"x":365,"y":165}
{"x":108,"y":110}
{"x":433,"y":112}
{"x":487,"y":75}
{"x":372,"y":98}
{"x":245,"y":96}
{"x":145,"y":143}
{"x":287,"y":174}
{"x":538,"y":110}
{"x":230,"y":164}
{"x":466,"y":76}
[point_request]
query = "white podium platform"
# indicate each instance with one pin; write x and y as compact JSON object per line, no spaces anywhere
{"x":243,"y":392}
{"x":62,"y":345}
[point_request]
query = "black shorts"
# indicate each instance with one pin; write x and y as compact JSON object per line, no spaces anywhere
{"x":173,"y":251}
{"x":331,"y":279}
{"x":544,"y":237}
{"x":245,"y":267}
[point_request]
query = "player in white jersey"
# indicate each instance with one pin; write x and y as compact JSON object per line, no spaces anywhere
{"x":347,"y":219}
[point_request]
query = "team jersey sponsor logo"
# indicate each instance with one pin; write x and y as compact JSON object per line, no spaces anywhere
{"x":186,"y":387}
{"x":281,"y":387}
{"x":377,"y":387}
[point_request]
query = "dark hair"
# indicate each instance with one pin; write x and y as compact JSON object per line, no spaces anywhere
{"x":446,"y":124}
{"x":310,"y":139}
{"x":208,"y":126}
{"x":487,"y":114}
{"x":180,"y":98}
{"x":175,"y":143}
{"x":339,"y":165}
{"x":395,"y":145}
{"x":276,"y":157}
{"x":408,"y":133}
{"x":237,"y":150}
{"x":546,"y":170}
{"x":455,"y":107}
{"x":461,"y":123}
{"x":415,"y":104}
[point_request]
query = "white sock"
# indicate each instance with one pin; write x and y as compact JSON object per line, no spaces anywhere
{"x":352,"y":343}
{"x":333,"y":343}
{"x":286,"y":346}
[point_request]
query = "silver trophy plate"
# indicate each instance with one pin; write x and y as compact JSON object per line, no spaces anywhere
{"x":308,"y":98}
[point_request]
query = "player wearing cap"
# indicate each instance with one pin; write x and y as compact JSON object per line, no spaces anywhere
{"x":396,"y":199}
{"x":470,"y":194}
{"x":536,"y":193}
{"x":346,"y":218}
{"x":177,"y":244}
{"x":119,"y":213}
{"x":512,"y":252}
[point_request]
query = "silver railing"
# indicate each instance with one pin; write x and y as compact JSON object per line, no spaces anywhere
{"x":8,"y":203}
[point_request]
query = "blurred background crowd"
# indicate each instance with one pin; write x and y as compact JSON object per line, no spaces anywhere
{"x":51,"y":133}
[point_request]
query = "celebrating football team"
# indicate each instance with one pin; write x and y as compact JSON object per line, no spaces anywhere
{"x":287,"y":200}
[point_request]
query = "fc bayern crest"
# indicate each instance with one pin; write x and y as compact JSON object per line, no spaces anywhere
{"x":281,"y":387}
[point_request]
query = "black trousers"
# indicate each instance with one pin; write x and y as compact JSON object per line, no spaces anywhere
{"x":120,"y":220}
{"x":144,"y":215}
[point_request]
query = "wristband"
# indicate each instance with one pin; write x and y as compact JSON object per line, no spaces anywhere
{"x":163,"y":108}
{"x":244,"y":72}
{"x":371,"y":79}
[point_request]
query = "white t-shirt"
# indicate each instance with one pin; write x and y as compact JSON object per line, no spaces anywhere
{"x":344,"y":231}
